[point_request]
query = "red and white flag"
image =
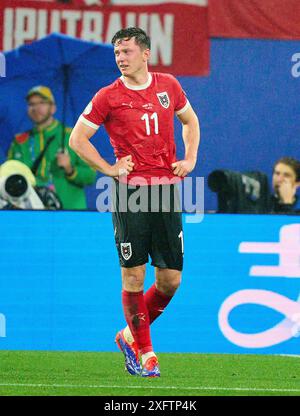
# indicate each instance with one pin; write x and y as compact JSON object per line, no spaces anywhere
{"x":178,"y":28}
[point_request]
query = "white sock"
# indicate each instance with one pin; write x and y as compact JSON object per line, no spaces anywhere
{"x":128,"y":335}
{"x":146,"y":356}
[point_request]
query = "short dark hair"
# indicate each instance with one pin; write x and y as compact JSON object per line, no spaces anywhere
{"x":141,"y":37}
{"x":292,"y":163}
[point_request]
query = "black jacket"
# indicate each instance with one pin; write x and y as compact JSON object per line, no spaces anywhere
{"x":277,"y":207}
{"x":246,"y":193}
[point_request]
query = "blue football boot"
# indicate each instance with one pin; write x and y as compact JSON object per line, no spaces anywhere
{"x":151,"y":368}
{"x":131,"y":354}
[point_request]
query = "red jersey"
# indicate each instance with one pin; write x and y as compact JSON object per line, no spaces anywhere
{"x":140,"y":122}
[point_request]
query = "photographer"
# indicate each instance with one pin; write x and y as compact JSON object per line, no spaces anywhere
{"x":45,"y":150}
{"x":248,"y":192}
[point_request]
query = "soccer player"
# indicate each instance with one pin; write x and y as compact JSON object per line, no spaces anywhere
{"x":138,"y":111}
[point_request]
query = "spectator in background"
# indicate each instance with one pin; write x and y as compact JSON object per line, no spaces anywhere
{"x":46,"y":151}
{"x":285,"y":181}
{"x":249,"y":192}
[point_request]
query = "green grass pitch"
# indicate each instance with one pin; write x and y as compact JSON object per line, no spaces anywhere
{"x":41,"y":373}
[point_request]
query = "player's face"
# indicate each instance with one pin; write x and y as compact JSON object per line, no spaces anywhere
{"x":283,"y":173}
{"x":39,"y":109}
{"x":130,"y":58}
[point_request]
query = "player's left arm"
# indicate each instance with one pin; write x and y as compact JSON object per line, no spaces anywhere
{"x":191,"y":139}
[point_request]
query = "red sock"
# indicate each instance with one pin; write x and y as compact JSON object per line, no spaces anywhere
{"x":137,"y":318}
{"x":156,"y":302}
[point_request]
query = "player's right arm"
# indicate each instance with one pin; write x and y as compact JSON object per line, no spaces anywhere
{"x":80,"y":143}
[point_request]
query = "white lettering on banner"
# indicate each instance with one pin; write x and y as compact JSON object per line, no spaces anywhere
{"x":72,"y":17}
{"x":55,"y":21}
{"x":288,"y":250}
{"x":143,"y":21}
{"x":130,"y":19}
{"x":42,"y":24}
{"x":92,"y":27}
{"x":23,"y":25}
{"x":161,"y":42}
{"x":8,"y":29}
{"x":296,"y":68}
{"x":2,"y":325}
{"x":114,"y":24}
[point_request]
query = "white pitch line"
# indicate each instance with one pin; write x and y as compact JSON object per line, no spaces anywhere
{"x":76,"y":386}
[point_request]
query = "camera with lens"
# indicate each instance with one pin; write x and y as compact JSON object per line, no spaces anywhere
{"x":18,"y":190}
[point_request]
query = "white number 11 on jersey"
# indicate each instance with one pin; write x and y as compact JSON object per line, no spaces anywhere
{"x":147,"y":122}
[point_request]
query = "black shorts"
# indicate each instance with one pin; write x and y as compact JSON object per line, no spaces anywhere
{"x":148,"y":222}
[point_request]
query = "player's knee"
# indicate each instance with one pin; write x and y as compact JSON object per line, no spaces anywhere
{"x":133,"y":279}
{"x":168,"y":281}
{"x":173,"y":286}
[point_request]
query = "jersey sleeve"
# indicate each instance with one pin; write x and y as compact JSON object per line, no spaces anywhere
{"x":181,"y":101}
{"x":96,"y":112}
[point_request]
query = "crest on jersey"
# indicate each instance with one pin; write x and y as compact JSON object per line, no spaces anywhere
{"x":126,"y":250}
{"x":163,"y":99}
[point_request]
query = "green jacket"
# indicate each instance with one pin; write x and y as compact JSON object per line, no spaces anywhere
{"x":27,"y":146}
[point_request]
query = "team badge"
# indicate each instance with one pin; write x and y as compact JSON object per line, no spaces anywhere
{"x":126,"y":250}
{"x":163,"y":99}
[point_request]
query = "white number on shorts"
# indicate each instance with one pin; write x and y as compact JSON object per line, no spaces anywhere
{"x":180,"y":235}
